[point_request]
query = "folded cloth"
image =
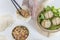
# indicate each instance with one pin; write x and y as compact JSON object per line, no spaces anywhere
{"x":32,"y":5}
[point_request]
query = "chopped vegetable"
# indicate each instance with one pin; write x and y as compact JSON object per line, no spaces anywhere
{"x":48,"y":8}
{"x":54,"y":27}
{"x":42,"y":16}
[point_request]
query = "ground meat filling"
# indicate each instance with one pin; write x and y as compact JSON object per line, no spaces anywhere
{"x":24,"y":13}
{"x":20,"y":33}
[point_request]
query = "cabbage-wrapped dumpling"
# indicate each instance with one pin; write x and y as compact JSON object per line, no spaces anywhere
{"x":48,"y":14}
{"x":46,"y":23}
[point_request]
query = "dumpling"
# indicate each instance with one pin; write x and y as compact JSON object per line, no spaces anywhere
{"x":49,"y":14}
{"x":25,"y":15}
{"x":5,"y":21}
{"x":46,"y":23}
{"x":56,"y":21}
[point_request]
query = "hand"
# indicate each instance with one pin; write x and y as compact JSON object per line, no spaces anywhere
{"x":31,"y":4}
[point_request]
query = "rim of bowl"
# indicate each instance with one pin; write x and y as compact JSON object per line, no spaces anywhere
{"x":46,"y":30}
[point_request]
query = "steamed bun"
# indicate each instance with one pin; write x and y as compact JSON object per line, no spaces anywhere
{"x":56,"y":21}
{"x":49,"y":15}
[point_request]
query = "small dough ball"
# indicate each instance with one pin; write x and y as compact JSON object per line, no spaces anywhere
{"x":49,"y":14}
{"x":56,"y":21}
{"x":46,"y":23}
{"x":5,"y":21}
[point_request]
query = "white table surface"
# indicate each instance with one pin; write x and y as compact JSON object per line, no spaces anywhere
{"x":7,"y":7}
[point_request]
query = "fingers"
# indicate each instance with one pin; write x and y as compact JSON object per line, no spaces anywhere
{"x":25,"y":2}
